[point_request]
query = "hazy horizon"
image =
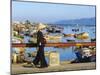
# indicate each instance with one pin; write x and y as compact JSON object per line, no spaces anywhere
{"x":49,"y":13}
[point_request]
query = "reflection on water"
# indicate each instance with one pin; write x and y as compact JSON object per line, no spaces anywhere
{"x":65,"y":53}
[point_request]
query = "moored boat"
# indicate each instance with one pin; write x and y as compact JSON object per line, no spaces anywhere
{"x":82,"y":36}
{"x":53,"y":29}
{"x":50,"y":37}
{"x":68,"y":40}
{"x":68,"y":35}
{"x":17,"y":40}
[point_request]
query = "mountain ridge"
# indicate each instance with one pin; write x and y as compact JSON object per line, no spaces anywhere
{"x":82,"y":21}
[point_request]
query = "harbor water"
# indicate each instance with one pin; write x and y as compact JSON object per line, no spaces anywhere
{"x":68,"y":52}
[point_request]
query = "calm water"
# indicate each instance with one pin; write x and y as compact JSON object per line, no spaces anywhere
{"x":67,"y":53}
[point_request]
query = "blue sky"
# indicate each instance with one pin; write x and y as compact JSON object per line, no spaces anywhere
{"x":48,"y":13}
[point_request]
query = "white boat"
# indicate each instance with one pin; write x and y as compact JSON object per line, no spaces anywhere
{"x":86,"y":52}
{"x":17,"y":40}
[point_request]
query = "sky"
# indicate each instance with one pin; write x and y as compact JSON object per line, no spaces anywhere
{"x":49,"y":13}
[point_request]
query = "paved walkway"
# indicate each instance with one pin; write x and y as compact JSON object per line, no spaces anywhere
{"x":64,"y":66}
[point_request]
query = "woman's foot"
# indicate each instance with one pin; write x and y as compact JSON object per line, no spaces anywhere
{"x":44,"y":66}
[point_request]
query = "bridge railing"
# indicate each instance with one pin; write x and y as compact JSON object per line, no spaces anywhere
{"x":61,"y":44}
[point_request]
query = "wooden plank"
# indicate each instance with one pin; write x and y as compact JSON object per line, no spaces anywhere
{"x":55,"y":44}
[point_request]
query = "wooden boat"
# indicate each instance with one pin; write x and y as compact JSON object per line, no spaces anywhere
{"x":68,"y":35}
{"x":82,"y":36}
{"x":56,"y":37}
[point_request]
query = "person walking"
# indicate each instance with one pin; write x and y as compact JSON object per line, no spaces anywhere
{"x":40,"y":57}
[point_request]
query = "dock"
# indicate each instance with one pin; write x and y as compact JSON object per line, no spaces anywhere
{"x":63,"y":67}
